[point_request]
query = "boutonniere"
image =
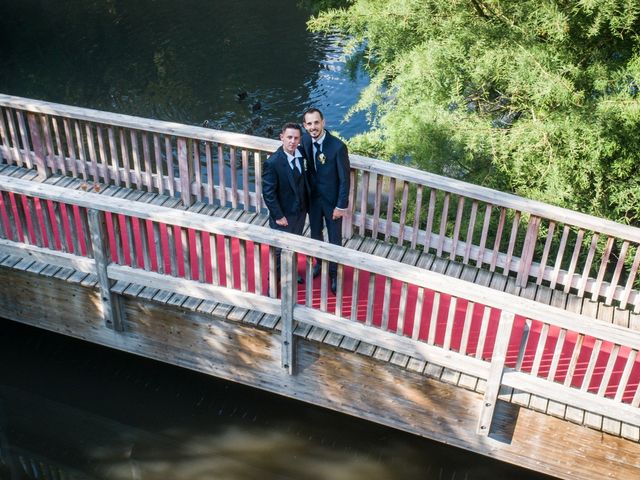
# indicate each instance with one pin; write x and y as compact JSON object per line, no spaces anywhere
{"x":322,"y":158}
{"x":304,"y":164}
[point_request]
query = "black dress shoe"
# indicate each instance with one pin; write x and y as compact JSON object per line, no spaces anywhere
{"x":317,"y":268}
{"x":300,"y":279}
{"x":334,"y":285}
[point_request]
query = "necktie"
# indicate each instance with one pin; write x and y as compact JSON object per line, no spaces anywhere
{"x":296,"y":170}
{"x":315,"y":156}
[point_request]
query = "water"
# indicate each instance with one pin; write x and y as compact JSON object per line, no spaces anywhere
{"x":73,"y":410}
{"x":194,"y":61}
{"x":86,"y":412}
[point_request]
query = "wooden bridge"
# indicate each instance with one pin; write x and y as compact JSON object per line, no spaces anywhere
{"x":473,"y":317}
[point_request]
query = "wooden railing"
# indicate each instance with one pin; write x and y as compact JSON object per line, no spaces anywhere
{"x":503,"y":340}
{"x":489,"y":229}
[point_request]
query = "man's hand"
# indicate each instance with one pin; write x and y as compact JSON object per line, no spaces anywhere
{"x":283,"y":222}
{"x":339,"y":213}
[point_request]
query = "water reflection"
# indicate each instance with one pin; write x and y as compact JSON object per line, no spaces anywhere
{"x":196,"y":62}
{"x":72,"y":410}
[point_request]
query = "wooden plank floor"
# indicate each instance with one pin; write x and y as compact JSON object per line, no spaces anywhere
{"x":398,"y":253}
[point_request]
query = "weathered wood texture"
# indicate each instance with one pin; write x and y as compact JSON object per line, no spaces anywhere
{"x":331,"y":377}
{"x":537,"y":242}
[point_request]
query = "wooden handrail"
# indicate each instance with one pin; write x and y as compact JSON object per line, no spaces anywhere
{"x":361,"y":262}
{"x":496,"y":230}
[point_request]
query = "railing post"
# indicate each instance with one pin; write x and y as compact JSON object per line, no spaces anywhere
{"x":184,"y":166}
{"x":112,"y":308}
{"x":496,"y":370}
{"x":288,"y":284}
{"x":38,"y":149}
{"x":528,"y":249}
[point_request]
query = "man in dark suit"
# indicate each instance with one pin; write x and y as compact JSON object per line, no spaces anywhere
{"x":329,"y":181}
{"x":285,"y":186}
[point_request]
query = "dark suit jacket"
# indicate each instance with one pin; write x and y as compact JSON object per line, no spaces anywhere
{"x":279,"y":190}
{"x":330,"y":181}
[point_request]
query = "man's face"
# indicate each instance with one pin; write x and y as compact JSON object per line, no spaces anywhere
{"x":314,"y":124}
{"x":290,"y":140}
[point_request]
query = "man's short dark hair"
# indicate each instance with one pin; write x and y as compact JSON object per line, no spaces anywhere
{"x":292,"y":125}
{"x":313,"y":110}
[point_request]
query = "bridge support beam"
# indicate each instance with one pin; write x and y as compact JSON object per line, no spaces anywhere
{"x":496,"y":371}
{"x":288,"y":283}
{"x":112,"y":311}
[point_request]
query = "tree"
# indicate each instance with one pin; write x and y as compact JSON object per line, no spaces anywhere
{"x":536,"y":97}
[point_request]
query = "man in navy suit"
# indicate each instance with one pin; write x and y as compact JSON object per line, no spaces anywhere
{"x":329,"y":181}
{"x":285,"y":186}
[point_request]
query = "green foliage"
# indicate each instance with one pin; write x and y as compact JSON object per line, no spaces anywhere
{"x":537,"y":97}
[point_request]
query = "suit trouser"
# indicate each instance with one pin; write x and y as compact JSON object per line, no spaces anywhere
{"x":296,"y":226}
{"x":320,"y":215}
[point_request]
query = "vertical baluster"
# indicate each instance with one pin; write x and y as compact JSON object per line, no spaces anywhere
{"x":386,"y":304}
{"x":244,"y":278}
{"x":104,"y":158}
{"x":48,"y":142}
{"x":377,"y":202}
{"x":443,"y":224}
{"x":528,"y":249}
{"x":484,"y":234}
{"x":498,"y":240}
{"x":22,"y":128}
{"x":209,"y":167}
{"x":606,"y":376}
{"x":68,"y":132}
{"x":626,"y":374}
{"x":355,"y":293}
{"x":35,"y":227}
{"x":545,"y":252}
{"x":391,"y":199}
{"x":215,"y":260}
{"x":584,"y":279}
{"x":603,"y":268}
{"x":62,"y":159}
{"x":339,"y":289}
{"x":466,"y":329}
{"x":559,"y":256}
{"x":568,"y":379}
{"x":574,"y":261}
{"x":433,"y":322}
{"x":402,"y":308}
{"x":22,"y":220}
{"x":5,"y":231}
{"x":148,"y":168}
{"x":233,"y":167}
{"x":289,"y":297}
{"x":197,"y":172}
{"x":42,"y":206}
{"x":363,"y":203}
{"x":119,"y":240}
{"x":157,"y":245}
{"x":557,"y":353}
{"x":257,"y":268}
{"x":186,"y":252}
{"x":221,"y":177}
{"x":84,"y":232}
{"x":540,"y":348}
{"x":324,"y":294}
{"x":4,"y":138}
{"x":417,"y":316}
{"x":184,"y":167}
{"x":308,"y":294}
{"x":131,"y":240}
{"x":416,"y":217}
{"x":228,"y":263}
{"x":611,"y":290}
{"x":135,"y":156}
{"x":55,"y":210}
{"x":347,"y":223}
{"x":593,"y":359}
{"x":158,"y":160}
{"x":245,"y":180}
{"x":512,"y":242}
{"x":370,"y":298}
{"x":448,"y":332}
{"x":482,"y":335}
{"x":38,"y":149}
{"x":470,"y":231}
{"x":430,"y":214}
{"x":456,"y":227}
{"x":81,"y":151}
{"x":630,"y":279}
{"x":403,"y":211}
{"x":170,"y":165}
{"x":13,"y":133}
{"x":144,"y":241}
{"x":92,"y":152}
{"x":113,"y":153}
{"x":257,"y":162}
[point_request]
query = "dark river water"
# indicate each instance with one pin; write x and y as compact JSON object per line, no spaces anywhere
{"x":73,"y":410}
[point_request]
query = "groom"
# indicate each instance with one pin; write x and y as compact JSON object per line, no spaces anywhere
{"x":329,"y":183}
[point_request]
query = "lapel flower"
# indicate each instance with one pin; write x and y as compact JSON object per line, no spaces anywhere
{"x":304,"y":164}
{"x":322,"y":158}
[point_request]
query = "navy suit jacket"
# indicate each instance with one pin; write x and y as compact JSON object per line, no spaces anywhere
{"x":279,"y":189}
{"x":330,"y":181}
